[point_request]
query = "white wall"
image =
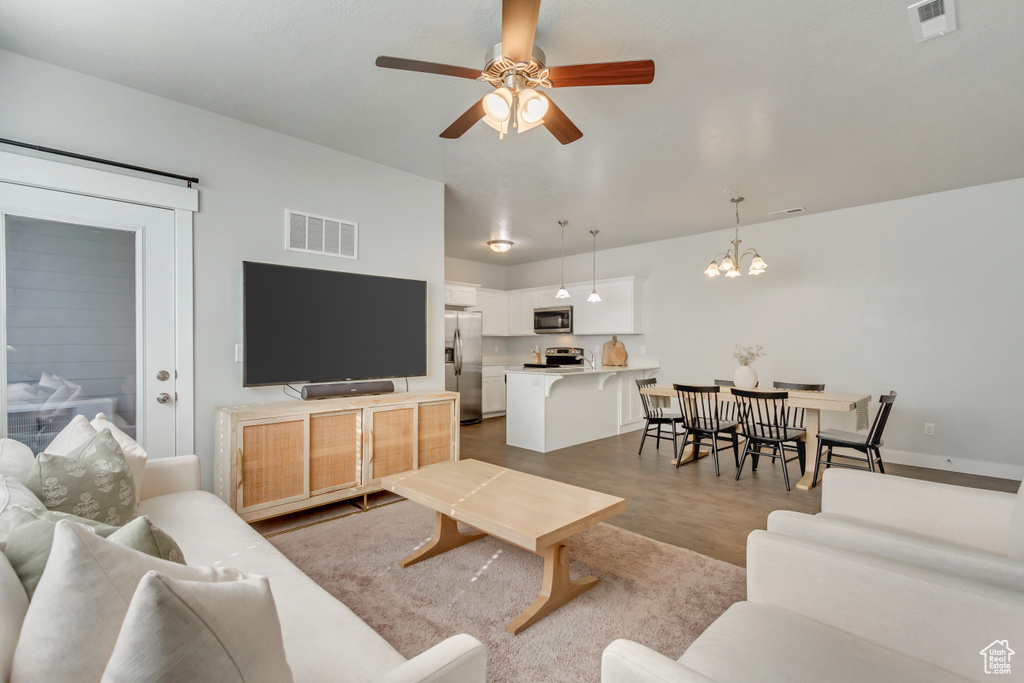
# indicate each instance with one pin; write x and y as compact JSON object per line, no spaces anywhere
{"x":920,"y":295}
{"x":484,"y":274}
{"x":248,"y":177}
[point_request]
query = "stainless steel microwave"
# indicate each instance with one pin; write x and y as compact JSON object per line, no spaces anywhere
{"x":552,"y":320}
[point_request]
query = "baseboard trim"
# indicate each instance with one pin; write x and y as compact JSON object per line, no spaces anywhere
{"x":962,"y":465}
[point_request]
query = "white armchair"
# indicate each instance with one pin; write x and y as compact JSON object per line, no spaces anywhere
{"x":971,"y":533}
{"x":816,"y":612}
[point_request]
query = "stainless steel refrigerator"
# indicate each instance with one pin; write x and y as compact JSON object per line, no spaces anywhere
{"x":464,"y":361}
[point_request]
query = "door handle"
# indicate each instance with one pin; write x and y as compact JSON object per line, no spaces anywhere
{"x":163,"y":398}
{"x":458,"y":352}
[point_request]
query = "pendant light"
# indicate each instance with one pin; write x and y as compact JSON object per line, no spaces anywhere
{"x":594,"y":296}
{"x":563,"y":293}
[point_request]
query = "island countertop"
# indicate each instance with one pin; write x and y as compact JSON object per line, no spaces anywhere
{"x":585,"y":369}
{"x":552,"y":408}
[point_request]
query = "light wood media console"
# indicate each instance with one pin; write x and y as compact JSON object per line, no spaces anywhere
{"x":276,"y":458}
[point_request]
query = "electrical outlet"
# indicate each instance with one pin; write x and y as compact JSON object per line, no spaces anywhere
{"x":929,"y":429}
{"x":238,"y":353}
{"x":643,"y":350}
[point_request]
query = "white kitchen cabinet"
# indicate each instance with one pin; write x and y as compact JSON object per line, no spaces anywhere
{"x":493,"y":390}
{"x":493,"y":306}
{"x":459,"y":294}
{"x":520,"y":312}
{"x":620,"y":311}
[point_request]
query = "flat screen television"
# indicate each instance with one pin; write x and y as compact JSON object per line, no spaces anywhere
{"x":308,"y":325}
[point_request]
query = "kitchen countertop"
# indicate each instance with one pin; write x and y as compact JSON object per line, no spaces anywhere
{"x":571,"y":370}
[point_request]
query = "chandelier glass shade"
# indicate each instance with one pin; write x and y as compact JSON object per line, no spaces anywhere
{"x":732,"y":259}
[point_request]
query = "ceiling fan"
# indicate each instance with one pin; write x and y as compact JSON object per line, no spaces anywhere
{"x":516,"y":68}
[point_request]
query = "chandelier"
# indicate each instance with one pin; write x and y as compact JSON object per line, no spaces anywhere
{"x":732,"y":258}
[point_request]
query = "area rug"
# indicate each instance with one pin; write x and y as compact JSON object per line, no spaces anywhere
{"x":650,"y":592}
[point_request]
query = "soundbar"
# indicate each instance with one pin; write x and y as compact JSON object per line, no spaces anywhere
{"x":314,"y":391}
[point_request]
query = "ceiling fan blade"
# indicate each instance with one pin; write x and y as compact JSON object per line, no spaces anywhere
{"x":610,"y":73}
{"x":465,"y":122}
{"x":518,"y":28}
{"x":564,"y":130}
{"x":427,"y":67}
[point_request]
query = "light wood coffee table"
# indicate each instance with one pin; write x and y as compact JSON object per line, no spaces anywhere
{"x":531,"y":512}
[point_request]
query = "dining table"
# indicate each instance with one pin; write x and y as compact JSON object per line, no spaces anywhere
{"x":813,"y":402}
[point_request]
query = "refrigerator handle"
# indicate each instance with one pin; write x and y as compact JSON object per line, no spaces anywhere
{"x":458,"y":352}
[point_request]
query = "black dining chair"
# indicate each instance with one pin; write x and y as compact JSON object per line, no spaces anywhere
{"x":868,"y":444}
{"x":795,"y":417}
{"x":764,"y":424}
{"x":702,"y":418}
{"x":656,"y":417}
{"x":729,"y":409}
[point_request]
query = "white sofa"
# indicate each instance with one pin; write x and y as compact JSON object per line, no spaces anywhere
{"x":323,"y":639}
{"x":816,"y":612}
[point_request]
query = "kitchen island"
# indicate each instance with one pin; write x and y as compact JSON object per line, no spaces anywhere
{"x":552,"y":408}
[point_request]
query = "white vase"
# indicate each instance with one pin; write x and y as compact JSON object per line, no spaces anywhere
{"x":744,"y":377}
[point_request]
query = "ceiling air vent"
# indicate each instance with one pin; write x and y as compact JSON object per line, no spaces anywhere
{"x":320,"y":235}
{"x":786,"y":212}
{"x":932,"y":18}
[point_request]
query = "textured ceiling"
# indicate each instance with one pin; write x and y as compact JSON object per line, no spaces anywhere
{"x":795,"y":103}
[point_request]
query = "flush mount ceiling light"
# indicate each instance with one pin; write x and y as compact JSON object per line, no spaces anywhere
{"x":563,"y":293}
{"x":500,"y":246}
{"x":732,"y":258}
{"x":594,"y":296}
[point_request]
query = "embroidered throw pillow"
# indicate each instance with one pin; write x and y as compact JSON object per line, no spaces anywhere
{"x":31,"y":537}
{"x":133,"y":452}
{"x":92,"y":481}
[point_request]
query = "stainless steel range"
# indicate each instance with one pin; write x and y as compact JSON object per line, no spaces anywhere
{"x":558,"y":356}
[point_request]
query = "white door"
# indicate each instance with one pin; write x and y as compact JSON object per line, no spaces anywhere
{"x":88,"y":306}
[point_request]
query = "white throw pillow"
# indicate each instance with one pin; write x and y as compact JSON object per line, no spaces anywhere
{"x":13,"y":605}
{"x":13,"y":492}
{"x":196,"y":631}
{"x":15,"y":459}
{"x":76,"y":613}
{"x":1015,"y":543}
{"x":72,"y":436}
{"x":133,"y":452}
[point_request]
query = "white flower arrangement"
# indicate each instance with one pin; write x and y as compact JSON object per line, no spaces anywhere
{"x":748,"y":354}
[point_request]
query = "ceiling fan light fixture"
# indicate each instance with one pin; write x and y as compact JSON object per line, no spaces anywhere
{"x":500,"y":246}
{"x":498,"y":105}
{"x":532,"y":106}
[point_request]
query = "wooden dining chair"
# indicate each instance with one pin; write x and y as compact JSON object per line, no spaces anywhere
{"x":701,"y":418}
{"x":867,"y":444}
{"x":764,"y":424}
{"x":655,"y":418}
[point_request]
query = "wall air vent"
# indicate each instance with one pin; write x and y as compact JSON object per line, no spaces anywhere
{"x":932,"y":18}
{"x":786,"y":212}
{"x":320,"y":235}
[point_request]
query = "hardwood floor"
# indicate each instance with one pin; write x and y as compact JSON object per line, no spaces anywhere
{"x":689,"y":506}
